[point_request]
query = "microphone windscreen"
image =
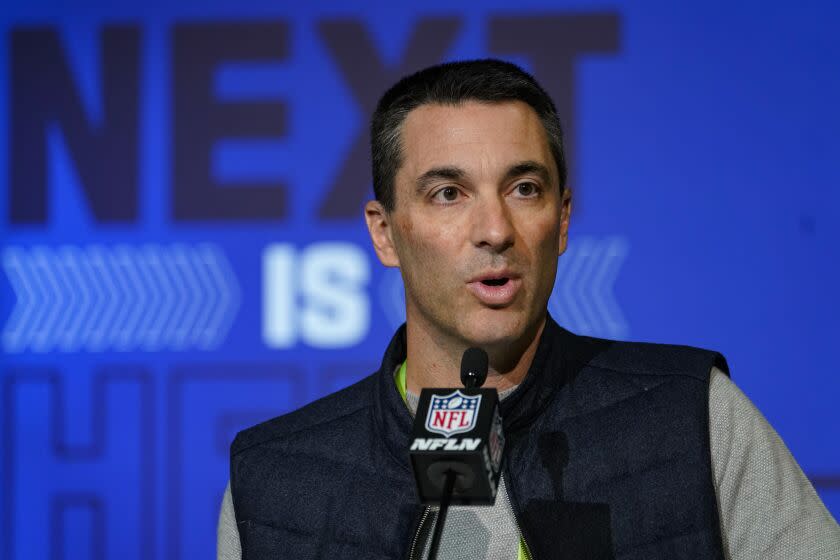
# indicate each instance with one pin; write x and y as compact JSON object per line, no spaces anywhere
{"x":474,"y":364}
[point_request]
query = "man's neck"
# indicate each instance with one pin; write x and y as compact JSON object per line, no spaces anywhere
{"x":434,"y":360}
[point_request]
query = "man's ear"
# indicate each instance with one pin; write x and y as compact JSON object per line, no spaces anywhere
{"x":381,"y":233}
{"x":565,"y":214}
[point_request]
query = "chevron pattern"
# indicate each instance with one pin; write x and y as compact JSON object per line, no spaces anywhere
{"x":582,"y":300}
{"x":121,"y":298}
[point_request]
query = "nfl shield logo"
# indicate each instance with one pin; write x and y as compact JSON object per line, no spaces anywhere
{"x":452,"y":414}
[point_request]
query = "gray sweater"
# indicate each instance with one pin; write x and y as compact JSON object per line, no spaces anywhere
{"x":768,"y":508}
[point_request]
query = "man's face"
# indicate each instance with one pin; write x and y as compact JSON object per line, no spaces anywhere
{"x":478,"y":223}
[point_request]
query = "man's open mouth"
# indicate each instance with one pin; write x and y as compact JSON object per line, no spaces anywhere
{"x":496,"y":292}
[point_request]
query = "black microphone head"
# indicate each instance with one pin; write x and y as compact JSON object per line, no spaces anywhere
{"x":474,"y":364}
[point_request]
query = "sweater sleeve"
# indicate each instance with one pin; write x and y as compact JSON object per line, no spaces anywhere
{"x":768,"y":508}
{"x":227,"y":535}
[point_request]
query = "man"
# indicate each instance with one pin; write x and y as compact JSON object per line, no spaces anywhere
{"x":614,"y":450}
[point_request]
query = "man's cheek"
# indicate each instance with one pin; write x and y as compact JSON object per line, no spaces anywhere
{"x":429,"y":257}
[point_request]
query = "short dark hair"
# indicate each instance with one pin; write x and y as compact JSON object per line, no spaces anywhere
{"x":487,"y":80}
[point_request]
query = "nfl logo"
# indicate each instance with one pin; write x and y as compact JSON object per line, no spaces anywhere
{"x":452,"y":414}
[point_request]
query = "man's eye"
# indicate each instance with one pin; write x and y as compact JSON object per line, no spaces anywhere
{"x":527,"y":189}
{"x":447,"y":194}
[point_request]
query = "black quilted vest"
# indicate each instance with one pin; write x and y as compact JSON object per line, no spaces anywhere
{"x":607,"y":457}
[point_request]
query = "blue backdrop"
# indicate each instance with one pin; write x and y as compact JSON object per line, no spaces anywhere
{"x":183,"y":253}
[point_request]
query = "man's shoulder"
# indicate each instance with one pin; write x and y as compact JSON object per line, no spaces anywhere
{"x":325,"y":412}
{"x":645,"y":358}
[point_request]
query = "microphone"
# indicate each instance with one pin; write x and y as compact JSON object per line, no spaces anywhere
{"x":457,"y":439}
{"x":474,"y":368}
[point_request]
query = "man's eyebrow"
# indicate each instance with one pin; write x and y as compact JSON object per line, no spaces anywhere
{"x":528,"y":168}
{"x":450,"y":173}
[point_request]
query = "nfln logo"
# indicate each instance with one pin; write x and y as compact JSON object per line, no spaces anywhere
{"x":454,"y":413}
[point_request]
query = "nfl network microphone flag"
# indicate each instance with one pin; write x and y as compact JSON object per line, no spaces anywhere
{"x":458,"y":430}
{"x":452,"y":414}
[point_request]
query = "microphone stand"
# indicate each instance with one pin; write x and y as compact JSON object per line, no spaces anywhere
{"x":448,"y":487}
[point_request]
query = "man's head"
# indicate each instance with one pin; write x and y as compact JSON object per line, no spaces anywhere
{"x":453,"y":83}
{"x":471,"y":201}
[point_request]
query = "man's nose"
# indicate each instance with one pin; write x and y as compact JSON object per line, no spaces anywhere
{"x":492,"y":225}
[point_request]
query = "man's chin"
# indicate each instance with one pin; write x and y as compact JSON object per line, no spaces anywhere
{"x":494,"y":329}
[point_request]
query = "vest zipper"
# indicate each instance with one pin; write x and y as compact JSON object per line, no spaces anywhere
{"x":528,"y":554}
{"x":411,"y":556}
{"x":427,"y":513}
